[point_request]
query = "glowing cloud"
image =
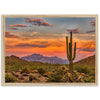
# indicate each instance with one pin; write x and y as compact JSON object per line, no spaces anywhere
{"x":13,"y":28}
{"x":18,"y":25}
{"x":9,"y":35}
{"x":73,"y":30}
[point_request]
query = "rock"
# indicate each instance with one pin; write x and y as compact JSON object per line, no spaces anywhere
{"x":22,"y":78}
{"x":34,"y":71}
{"x":25,"y":74}
{"x":33,"y":76}
{"x":46,"y":74}
{"x":83,"y":74}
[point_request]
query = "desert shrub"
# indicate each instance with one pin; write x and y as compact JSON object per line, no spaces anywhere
{"x":54,"y":78}
{"x":32,"y":78}
{"x":82,"y":68}
{"x":61,"y":75}
{"x":10,"y":78}
{"x":92,"y":71}
{"x":25,"y":70}
{"x":57,"y":75}
{"x":89,"y":70}
{"x":90,"y":79}
{"x":41,"y":71}
{"x":74,"y":77}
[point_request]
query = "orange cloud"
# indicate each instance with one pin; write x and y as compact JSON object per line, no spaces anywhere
{"x":87,"y":47}
{"x":46,"y":24}
{"x":38,"y":22}
{"x":35,"y":20}
{"x":13,"y":28}
{"x":55,"y":45}
{"x":22,"y":33}
{"x":9,"y":35}
{"x":18,"y":25}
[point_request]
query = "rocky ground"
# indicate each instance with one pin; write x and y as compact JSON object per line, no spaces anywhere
{"x":32,"y":76}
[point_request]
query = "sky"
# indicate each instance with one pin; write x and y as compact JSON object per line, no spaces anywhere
{"x":47,"y":36}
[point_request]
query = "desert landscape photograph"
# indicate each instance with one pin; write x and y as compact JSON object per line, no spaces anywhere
{"x":50,"y":49}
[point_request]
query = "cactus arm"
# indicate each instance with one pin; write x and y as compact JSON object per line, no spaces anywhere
{"x":71,"y":44}
{"x":69,"y":51}
{"x":70,"y":60}
{"x":74,"y":51}
{"x":71,"y":37}
{"x":67,"y":47}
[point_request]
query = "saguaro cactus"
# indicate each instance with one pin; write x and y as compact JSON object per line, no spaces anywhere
{"x":69,"y":52}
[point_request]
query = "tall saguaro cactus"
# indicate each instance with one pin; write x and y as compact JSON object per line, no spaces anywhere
{"x":69,"y":52}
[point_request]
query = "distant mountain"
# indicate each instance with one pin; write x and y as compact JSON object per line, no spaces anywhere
{"x":53,"y":60}
{"x":88,"y":61}
{"x":45,"y":59}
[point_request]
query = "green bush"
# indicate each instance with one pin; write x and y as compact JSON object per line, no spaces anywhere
{"x":54,"y":78}
{"x":10,"y":78}
{"x":89,"y":70}
{"x":61,"y":75}
{"x":82,"y":68}
{"x":57,"y":75}
{"x":41,"y":71}
{"x":90,"y":79}
{"x":25,"y":70}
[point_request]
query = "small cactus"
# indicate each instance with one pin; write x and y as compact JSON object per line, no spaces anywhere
{"x":69,"y":52}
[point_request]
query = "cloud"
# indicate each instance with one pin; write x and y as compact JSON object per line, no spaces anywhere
{"x":23,"y":33}
{"x":35,"y":34}
{"x":32,"y":45}
{"x":90,"y":31}
{"x":73,"y":30}
{"x":46,"y":24}
{"x":13,"y":28}
{"x":9,"y":35}
{"x":38,"y":22}
{"x":92,"y":23}
{"x":88,"y":46}
{"x":89,"y":49}
{"x":18,"y":25}
{"x":41,"y":44}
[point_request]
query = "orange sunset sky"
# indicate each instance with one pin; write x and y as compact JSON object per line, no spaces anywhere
{"x":47,"y":36}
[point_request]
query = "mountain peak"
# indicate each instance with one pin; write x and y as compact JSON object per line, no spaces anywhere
{"x":45,"y":59}
{"x":35,"y":54}
{"x":55,"y":57}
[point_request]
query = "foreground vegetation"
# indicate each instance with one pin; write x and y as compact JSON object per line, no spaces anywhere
{"x":18,"y":70}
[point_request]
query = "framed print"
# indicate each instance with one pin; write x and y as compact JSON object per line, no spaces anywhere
{"x":49,"y":50}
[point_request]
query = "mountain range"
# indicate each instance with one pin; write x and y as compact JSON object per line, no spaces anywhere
{"x":37,"y":57}
{"x":45,"y":59}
